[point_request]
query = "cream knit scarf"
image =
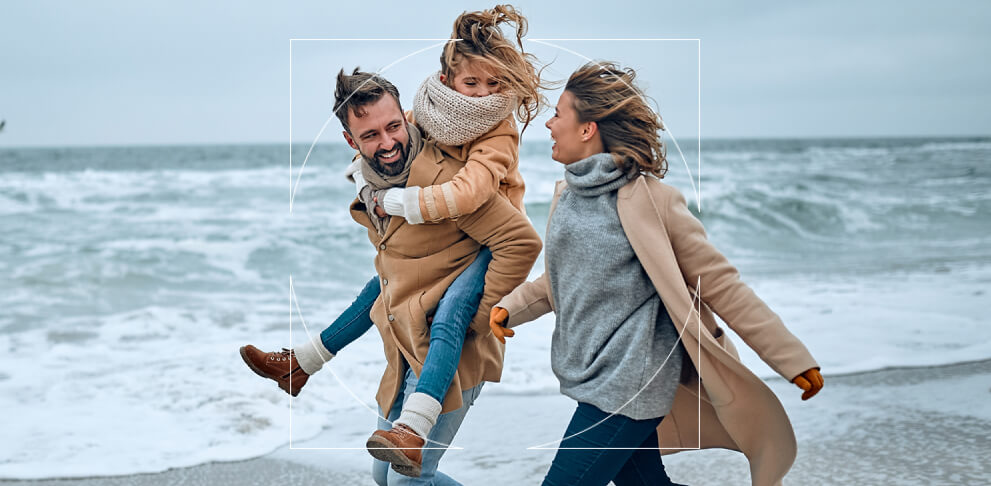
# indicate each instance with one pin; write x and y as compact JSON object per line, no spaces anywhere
{"x":452,"y":118}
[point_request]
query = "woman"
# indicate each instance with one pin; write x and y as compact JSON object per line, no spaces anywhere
{"x":631,"y":278}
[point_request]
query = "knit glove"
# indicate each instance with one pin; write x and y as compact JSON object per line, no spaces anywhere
{"x":497,"y":322}
{"x":810,"y":381}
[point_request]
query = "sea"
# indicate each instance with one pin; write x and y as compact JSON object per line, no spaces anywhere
{"x":130,"y":276}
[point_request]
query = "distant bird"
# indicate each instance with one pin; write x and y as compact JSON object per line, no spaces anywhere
{"x":2,"y":123}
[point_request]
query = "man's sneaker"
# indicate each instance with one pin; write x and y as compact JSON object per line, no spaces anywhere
{"x":400,"y":446}
{"x":279,"y":366}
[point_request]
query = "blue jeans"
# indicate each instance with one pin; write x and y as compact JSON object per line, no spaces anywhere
{"x":441,"y":435}
{"x":603,"y":462}
{"x":447,"y":332}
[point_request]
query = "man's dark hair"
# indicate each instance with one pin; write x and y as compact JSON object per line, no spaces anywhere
{"x":357,"y":90}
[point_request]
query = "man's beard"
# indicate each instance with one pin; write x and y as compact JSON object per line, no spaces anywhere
{"x":393,"y":168}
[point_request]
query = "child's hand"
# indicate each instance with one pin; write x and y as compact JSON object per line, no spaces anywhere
{"x":497,"y":322}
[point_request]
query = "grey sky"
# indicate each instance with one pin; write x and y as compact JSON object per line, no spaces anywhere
{"x":92,"y":73}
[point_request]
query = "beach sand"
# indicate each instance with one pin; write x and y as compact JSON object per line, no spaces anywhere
{"x":901,"y":426}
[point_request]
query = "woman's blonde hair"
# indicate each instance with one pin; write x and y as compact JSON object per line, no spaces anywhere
{"x":606,"y":94}
{"x":481,"y":40}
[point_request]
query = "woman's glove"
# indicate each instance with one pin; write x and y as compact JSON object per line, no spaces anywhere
{"x":497,"y":322}
{"x":810,"y":381}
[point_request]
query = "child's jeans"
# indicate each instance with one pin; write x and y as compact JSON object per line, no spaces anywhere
{"x":447,"y":332}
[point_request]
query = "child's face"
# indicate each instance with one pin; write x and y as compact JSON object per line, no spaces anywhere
{"x":473,"y":79}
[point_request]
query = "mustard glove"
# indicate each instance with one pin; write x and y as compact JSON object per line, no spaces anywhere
{"x":497,"y":322}
{"x":810,"y":381}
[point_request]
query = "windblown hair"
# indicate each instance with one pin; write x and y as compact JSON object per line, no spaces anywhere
{"x":606,"y":94}
{"x":358,"y":89}
{"x":481,"y":40}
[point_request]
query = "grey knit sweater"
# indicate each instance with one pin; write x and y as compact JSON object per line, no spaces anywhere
{"x":612,"y":333}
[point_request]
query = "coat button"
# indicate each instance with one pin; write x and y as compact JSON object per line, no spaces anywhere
{"x":382,"y":246}
{"x":391,"y":317}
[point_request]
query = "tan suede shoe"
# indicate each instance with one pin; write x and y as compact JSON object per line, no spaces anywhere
{"x":278,"y":366}
{"x":400,"y":446}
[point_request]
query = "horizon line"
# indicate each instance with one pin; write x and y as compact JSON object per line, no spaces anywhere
{"x":524,"y":140}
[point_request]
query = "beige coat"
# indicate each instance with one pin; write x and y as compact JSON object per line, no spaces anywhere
{"x":492,"y":164}
{"x":731,"y":408}
{"x":417,"y":263}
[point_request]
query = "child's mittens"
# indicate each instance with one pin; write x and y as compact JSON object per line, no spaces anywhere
{"x":403,"y":202}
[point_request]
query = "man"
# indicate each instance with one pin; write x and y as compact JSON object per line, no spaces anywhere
{"x":416,"y":264}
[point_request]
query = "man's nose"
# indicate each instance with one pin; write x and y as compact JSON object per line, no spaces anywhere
{"x":388,"y":141}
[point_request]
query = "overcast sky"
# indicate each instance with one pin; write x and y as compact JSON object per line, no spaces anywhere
{"x":102,"y":72}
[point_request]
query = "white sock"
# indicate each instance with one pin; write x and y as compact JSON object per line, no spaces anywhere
{"x":312,"y":355}
{"x":419,"y":413}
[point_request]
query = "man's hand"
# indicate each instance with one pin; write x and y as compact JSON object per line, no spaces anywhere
{"x":497,"y":322}
{"x":810,"y":381}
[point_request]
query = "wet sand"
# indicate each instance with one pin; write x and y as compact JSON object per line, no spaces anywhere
{"x":901,"y":426}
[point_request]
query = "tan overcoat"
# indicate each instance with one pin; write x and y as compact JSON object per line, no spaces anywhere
{"x":417,"y":263}
{"x":731,"y":407}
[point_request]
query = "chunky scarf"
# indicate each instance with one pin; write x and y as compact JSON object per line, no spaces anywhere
{"x":454,"y":119}
{"x":378,"y":183}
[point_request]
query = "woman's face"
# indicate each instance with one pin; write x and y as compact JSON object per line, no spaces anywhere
{"x":566,"y":131}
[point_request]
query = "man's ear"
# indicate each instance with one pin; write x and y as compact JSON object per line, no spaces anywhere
{"x":347,"y":136}
{"x":589,"y":131}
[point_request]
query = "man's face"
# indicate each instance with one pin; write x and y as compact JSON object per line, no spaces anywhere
{"x":380,"y":135}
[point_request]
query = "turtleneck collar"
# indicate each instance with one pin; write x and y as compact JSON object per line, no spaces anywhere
{"x":595,"y":175}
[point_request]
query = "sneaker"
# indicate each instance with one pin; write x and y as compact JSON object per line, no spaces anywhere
{"x":278,"y":366}
{"x":400,"y":446}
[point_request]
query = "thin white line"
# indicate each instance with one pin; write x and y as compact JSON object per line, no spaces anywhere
{"x":365,"y":448}
{"x":290,"y":141}
{"x":698,"y":287}
{"x":375,"y":39}
{"x":699,"y":133}
{"x":614,"y":448}
{"x":697,"y":193}
{"x":290,"y":376}
{"x":615,"y":39}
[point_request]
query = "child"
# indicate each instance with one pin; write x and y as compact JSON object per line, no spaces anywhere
{"x":467,"y":108}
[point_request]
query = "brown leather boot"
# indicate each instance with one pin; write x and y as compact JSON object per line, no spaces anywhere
{"x":400,"y":446}
{"x":278,"y":366}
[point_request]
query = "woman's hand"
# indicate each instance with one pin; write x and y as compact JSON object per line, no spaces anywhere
{"x":810,"y":381}
{"x":497,"y":322}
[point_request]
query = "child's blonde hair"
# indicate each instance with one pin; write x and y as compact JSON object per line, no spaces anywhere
{"x":481,"y":40}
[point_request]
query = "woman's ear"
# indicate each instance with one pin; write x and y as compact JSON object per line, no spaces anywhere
{"x":589,"y":130}
{"x":443,"y":78}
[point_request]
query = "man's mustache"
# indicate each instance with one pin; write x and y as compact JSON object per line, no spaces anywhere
{"x":380,"y":153}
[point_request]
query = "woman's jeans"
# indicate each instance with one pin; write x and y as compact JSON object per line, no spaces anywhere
{"x":447,"y":332}
{"x":603,"y":452}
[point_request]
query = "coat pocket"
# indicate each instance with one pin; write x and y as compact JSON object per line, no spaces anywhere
{"x":418,"y":317}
